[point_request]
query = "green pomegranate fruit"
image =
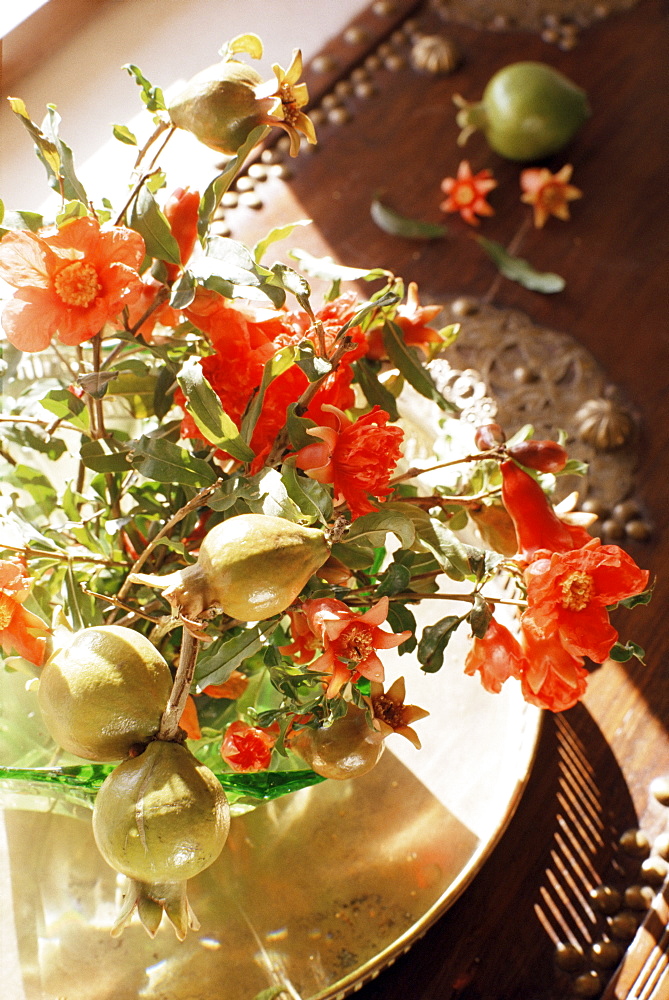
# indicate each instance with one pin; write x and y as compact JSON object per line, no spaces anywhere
{"x":348,"y":748}
{"x":160,"y":818}
{"x":251,"y":567}
{"x":219,"y":106}
{"x":528,"y":110}
{"x":103,"y":690}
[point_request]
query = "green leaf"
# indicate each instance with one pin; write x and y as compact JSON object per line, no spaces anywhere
{"x":375,"y":392}
{"x":71,"y":210}
{"x":183,"y":291}
{"x":276,"y":365}
{"x":147,"y":220}
{"x":275,"y":235}
{"x":72,"y":187}
{"x":644,"y":597}
{"x":479,"y":617}
{"x":433,"y":642}
{"x":312,"y":498}
{"x":123,"y":134}
{"x":46,"y":148}
{"x":521,"y":271}
{"x":621,"y":654}
{"x":297,"y":428}
{"x":450,"y":553}
{"x":22,"y":220}
{"x":35,"y":438}
{"x":376,"y":526}
{"x":214,"y":666}
{"x":401,"y":619}
{"x":396,"y":579}
{"x":220,"y":184}
{"x":150,"y":95}
{"x":408,"y":362}
{"x":36,"y":484}
{"x":165,"y":462}
{"x":395,"y":224}
{"x":205,"y":407}
{"x":327,"y":269}
{"x":293,"y":282}
{"x":312,"y":364}
{"x":97,"y":456}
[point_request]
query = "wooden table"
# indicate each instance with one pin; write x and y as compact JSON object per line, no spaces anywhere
{"x":595,"y":763}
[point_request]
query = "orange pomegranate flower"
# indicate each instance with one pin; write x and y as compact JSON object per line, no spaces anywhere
{"x":548,"y":193}
{"x":552,"y":677}
{"x":391,"y":715}
{"x":21,"y":632}
{"x":467,"y":193}
{"x":569,"y":593}
{"x":291,"y":97}
{"x":69,"y":284}
{"x":412,"y":319}
{"x":249,"y":748}
{"x":350,"y":640}
{"x":357,"y":457}
{"x":305,"y":644}
{"x":497,"y":656}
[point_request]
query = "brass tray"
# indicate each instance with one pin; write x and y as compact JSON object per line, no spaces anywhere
{"x":316,"y":892}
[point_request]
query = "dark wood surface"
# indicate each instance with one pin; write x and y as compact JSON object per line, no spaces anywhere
{"x":594,"y":763}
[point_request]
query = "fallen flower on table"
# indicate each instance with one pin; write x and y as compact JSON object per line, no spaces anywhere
{"x":467,"y":193}
{"x":548,"y":193}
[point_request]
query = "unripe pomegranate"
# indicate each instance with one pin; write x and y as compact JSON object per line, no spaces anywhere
{"x":160,"y":818}
{"x":102,"y":690}
{"x":219,"y":106}
{"x":251,"y":567}
{"x":348,"y":748}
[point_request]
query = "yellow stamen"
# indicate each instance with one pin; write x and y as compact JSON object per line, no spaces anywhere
{"x":355,"y":643}
{"x":577,"y":591}
{"x":7,"y":607}
{"x":464,"y":195}
{"x":388,"y":711}
{"x":77,"y":283}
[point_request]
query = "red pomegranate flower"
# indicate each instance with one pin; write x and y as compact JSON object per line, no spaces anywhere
{"x":249,"y":748}
{"x":412,"y":319}
{"x":538,"y":528}
{"x":69,"y":284}
{"x":357,"y":457}
{"x":350,"y":640}
{"x":552,"y":677}
{"x":569,"y":593}
{"x":467,"y":193}
{"x":497,"y":656}
{"x":244,"y":339}
{"x":21,"y":632}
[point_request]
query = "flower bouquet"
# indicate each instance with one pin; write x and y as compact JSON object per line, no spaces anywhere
{"x":212,"y":525}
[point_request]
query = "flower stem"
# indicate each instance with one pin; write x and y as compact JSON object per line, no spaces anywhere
{"x":169,"y":723}
{"x":413,"y":472}
{"x":193,"y":504}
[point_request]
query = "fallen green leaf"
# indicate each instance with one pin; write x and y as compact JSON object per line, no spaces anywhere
{"x":398,"y":225}
{"x":521,"y":271}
